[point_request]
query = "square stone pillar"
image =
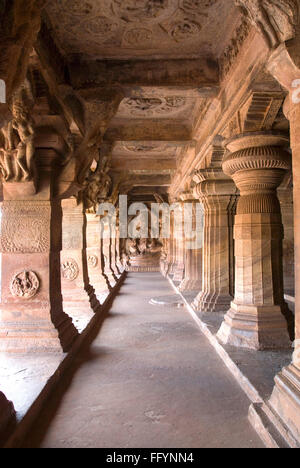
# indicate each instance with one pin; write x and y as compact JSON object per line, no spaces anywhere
{"x":179,"y":249}
{"x":285,"y":399}
{"x":106,"y":234}
{"x":193,"y":256}
{"x":95,"y":259}
{"x":79,"y":297}
{"x":114,"y":257}
{"x":257,"y":163}
{"x":118,"y":252}
{"x":217,"y":193}
{"x":31,"y":315}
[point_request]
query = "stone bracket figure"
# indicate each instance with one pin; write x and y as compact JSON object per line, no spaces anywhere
{"x":275,"y":19}
{"x":17,"y":154}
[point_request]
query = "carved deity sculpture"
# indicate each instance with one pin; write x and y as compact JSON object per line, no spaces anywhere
{"x":17,"y":153}
{"x":98,"y":186}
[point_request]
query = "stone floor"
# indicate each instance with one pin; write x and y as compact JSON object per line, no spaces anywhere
{"x":150,"y":379}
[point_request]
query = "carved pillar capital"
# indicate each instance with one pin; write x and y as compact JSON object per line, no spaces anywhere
{"x":257,"y":164}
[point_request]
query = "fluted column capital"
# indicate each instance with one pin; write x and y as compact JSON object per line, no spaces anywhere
{"x":257,"y":162}
{"x":212,"y":183}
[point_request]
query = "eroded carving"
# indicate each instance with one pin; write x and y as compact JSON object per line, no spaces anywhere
{"x":92,"y":260}
{"x":139,"y":10}
{"x":275,"y":19}
{"x":69,"y":269}
{"x":151,"y":106}
{"x":25,"y":285}
{"x":19,"y":218}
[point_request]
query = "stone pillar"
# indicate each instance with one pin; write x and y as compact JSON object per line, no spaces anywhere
{"x":95,"y":262}
{"x":32,"y":317}
{"x":7,"y":417}
{"x":257,"y":163}
{"x":107,"y":253}
{"x":114,"y":256}
{"x":285,"y":400}
{"x":118,"y":252}
{"x":79,"y":297}
{"x":285,"y":195}
{"x":193,"y":256}
{"x":172,"y":249}
{"x":217,"y":193}
{"x":179,"y":246}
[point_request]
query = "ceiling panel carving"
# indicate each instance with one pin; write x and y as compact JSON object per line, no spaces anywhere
{"x":145,"y":149}
{"x":153,"y":107}
{"x":123,"y":28}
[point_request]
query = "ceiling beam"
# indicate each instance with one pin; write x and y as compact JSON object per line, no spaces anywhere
{"x":201,"y":73}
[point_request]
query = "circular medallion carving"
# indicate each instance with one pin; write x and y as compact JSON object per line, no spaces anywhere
{"x":137,"y":37}
{"x":140,"y":10}
{"x":100,"y":26}
{"x":184,"y":29}
{"x":69,"y":269}
{"x":77,"y":7}
{"x":93,"y":261}
{"x":24,"y":284}
{"x":196,"y":6}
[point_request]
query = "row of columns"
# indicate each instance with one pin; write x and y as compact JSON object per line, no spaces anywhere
{"x":241,"y":271}
{"x":56,"y":272}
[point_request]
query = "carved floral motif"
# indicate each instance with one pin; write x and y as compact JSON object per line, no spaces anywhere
{"x":145,"y":148}
{"x":150,"y":106}
{"x":69,"y":269}
{"x":24,"y":284}
{"x":137,"y":37}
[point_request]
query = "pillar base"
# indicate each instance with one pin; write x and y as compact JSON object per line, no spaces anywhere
{"x":190,"y":285}
{"x":255,"y":327}
{"x":82,"y":309}
{"x":285,"y":402}
{"x":179,"y":273}
{"x":112,"y":279}
{"x":17,"y":336}
{"x":211,"y":302}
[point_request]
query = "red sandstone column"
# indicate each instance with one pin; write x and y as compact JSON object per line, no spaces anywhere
{"x":107,"y":253}
{"x":257,"y":163}
{"x":180,"y":250}
{"x":193,"y":256}
{"x":217,"y":195}
{"x":285,"y":400}
{"x":171,"y":249}
{"x":95,"y":257}
{"x":32,"y":317}
{"x":79,"y":297}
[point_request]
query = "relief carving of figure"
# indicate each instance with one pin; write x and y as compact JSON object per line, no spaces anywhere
{"x":275,"y":19}
{"x":17,"y":153}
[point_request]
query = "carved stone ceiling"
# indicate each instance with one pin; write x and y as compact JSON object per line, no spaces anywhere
{"x":141,"y":28}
